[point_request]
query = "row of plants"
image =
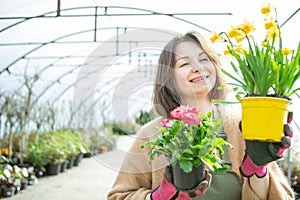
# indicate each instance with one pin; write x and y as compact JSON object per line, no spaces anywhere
{"x":54,"y":149}
{"x":47,"y":154}
{"x":128,"y":127}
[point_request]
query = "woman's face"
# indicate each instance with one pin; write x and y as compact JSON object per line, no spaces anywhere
{"x":195,"y":74}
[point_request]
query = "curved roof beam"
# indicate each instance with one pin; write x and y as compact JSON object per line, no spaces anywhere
{"x":45,"y":43}
{"x":61,"y":77}
{"x":290,"y":17}
{"x":106,"y":103}
{"x":90,"y":95}
{"x":105,"y":106}
{"x":60,"y":58}
{"x":52,"y":83}
{"x":72,"y":85}
{"x":66,"y":36}
{"x":148,"y":12}
{"x":44,"y":68}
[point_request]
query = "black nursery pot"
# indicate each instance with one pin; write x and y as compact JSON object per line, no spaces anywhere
{"x":187,"y":181}
{"x":70,"y":163}
{"x":31,"y":181}
{"x":53,"y":169}
{"x":64,"y":166}
{"x":7,"y":192}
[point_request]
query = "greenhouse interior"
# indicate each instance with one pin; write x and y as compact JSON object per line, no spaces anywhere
{"x":77,"y":80}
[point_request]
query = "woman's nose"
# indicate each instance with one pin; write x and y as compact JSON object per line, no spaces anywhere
{"x":196,"y":67}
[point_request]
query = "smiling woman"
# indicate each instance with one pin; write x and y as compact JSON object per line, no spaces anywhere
{"x":41,"y":63}
{"x":189,"y":73}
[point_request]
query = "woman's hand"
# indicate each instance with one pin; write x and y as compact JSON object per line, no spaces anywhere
{"x":258,"y":154}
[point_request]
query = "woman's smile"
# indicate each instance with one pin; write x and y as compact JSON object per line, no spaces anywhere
{"x":199,"y":79}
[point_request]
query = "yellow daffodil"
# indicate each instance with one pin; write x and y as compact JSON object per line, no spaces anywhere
{"x":264,"y":43}
{"x":226,"y":52}
{"x":239,"y":39}
{"x":266,"y":10}
{"x":239,"y":49}
{"x":267,"y":67}
{"x":287,"y":51}
{"x":234,"y":32}
{"x":273,"y":34}
{"x":270,"y":25}
{"x":215,"y":37}
{"x":247,"y":27}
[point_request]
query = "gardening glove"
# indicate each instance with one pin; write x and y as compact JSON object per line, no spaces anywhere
{"x":167,"y":190}
{"x":258,"y":154}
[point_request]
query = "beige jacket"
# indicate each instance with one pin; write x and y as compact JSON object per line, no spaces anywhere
{"x":138,"y":177}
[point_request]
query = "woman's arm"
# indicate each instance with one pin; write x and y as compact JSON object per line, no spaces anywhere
{"x":273,"y":186}
{"x":134,"y":180}
{"x":130,"y":186}
{"x":260,"y":186}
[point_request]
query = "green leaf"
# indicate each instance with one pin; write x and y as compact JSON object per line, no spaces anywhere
{"x":186,"y":165}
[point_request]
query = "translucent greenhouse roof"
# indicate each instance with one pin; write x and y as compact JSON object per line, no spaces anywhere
{"x":101,"y":55}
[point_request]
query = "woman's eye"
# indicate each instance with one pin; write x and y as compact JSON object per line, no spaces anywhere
{"x":184,"y":64}
{"x":204,"y":60}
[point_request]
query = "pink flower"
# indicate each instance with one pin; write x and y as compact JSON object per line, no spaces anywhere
{"x":176,"y":113}
{"x":190,"y":109}
{"x":191,"y":118}
{"x":10,"y":180}
{"x":188,"y":114}
{"x":166,"y":123}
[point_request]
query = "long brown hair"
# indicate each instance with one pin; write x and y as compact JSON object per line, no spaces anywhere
{"x":166,"y":98}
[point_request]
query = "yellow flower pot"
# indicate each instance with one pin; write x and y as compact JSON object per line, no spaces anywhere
{"x":263,"y":118}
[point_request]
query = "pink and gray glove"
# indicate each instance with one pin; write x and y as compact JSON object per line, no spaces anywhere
{"x":258,"y":154}
{"x":168,"y":191}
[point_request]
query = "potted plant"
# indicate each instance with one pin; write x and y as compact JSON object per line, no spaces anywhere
{"x":36,"y":156}
{"x":31,"y":175}
{"x":265,"y":73}
{"x":189,"y":140}
{"x":7,"y":181}
{"x":54,"y":156}
{"x":21,"y":174}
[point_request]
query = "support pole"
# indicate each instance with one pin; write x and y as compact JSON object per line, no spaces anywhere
{"x":117,"y":42}
{"x":58,"y":8}
{"x":95,"y":25}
